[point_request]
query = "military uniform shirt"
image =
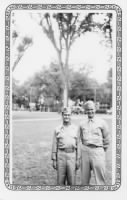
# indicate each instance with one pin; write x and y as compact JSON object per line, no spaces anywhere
{"x":94,"y":132}
{"x":65,"y":137}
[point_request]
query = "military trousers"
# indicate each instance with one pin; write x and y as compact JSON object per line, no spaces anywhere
{"x":92,"y":158}
{"x":66,"y":171}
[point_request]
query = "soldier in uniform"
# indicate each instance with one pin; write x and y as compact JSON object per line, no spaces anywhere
{"x":95,"y":141}
{"x":65,"y":150}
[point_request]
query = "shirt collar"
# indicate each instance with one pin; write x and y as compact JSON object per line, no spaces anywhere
{"x":63,"y":126}
{"x":91,"y":120}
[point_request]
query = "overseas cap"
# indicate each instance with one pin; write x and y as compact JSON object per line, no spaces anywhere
{"x":66,"y":110}
{"x":89,"y":104}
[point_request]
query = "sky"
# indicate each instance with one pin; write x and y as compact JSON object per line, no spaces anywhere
{"x":85,"y":51}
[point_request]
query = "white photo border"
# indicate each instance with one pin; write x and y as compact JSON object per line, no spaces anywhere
{"x":7,"y":96}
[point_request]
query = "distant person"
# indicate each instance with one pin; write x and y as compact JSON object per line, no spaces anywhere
{"x":94,"y":136}
{"x":65,"y":150}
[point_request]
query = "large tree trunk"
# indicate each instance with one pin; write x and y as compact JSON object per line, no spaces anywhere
{"x":65,"y":76}
{"x":66,"y":87}
{"x":66,"y":67}
{"x":65,"y":95}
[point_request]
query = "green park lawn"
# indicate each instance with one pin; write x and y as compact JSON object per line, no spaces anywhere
{"x":32,"y":134}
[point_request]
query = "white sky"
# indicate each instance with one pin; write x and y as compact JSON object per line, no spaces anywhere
{"x":86,"y":50}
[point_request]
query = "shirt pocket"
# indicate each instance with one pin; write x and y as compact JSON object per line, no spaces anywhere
{"x":73,"y":134}
{"x":97,"y":131}
{"x":84,"y":131}
{"x":59,"y":134}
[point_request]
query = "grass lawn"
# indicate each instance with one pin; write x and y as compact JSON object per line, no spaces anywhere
{"x":32,"y":134}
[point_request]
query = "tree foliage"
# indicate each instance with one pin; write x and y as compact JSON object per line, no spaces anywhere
{"x":20,"y":44}
{"x":70,"y":26}
{"x":48,"y":83}
{"x":63,"y":29}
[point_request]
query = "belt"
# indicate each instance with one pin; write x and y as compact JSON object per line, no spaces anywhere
{"x":92,"y":145}
{"x":68,"y":150}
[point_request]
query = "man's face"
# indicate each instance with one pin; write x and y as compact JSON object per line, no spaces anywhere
{"x":90,"y":110}
{"x":66,"y":117}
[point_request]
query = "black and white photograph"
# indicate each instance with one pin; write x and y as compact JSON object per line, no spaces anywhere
{"x":63,"y":97}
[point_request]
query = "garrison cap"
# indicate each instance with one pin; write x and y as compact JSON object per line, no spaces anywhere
{"x":90,"y":104}
{"x":66,"y":110}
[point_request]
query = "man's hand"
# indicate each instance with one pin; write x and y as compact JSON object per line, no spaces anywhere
{"x":54,"y":164}
{"x":77,"y":164}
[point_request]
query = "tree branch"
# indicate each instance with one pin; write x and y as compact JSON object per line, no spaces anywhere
{"x":49,"y":32}
{"x":17,"y":61}
{"x":21,"y":52}
{"x":60,"y":42}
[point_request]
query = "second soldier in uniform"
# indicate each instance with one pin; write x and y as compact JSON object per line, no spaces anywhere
{"x":95,"y":141}
{"x":66,"y":150}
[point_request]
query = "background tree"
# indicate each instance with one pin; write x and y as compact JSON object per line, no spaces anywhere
{"x":20,"y":44}
{"x":47,"y":83}
{"x":82,"y":86}
{"x":109,"y":78}
{"x":65,"y":30}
